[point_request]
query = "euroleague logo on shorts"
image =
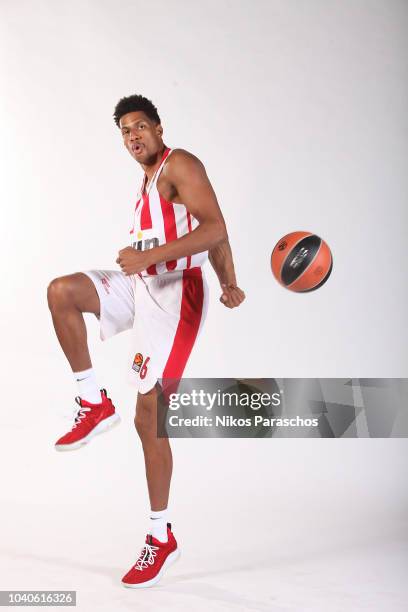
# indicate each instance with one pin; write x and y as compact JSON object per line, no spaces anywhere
{"x":138,"y":366}
{"x":137,"y":362}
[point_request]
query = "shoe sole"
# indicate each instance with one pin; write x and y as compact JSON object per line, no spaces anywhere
{"x":172,"y":558}
{"x":103,"y":426}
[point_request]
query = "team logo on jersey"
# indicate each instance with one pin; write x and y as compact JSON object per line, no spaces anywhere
{"x":137,"y":362}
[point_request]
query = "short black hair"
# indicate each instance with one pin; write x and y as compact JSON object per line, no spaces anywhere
{"x":130,"y":104}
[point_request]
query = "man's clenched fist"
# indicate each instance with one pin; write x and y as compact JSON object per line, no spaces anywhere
{"x":232,"y":296}
{"x":132,"y":261}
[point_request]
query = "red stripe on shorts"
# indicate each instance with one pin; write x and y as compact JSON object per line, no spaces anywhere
{"x":170,"y":230}
{"x":191,"y":311}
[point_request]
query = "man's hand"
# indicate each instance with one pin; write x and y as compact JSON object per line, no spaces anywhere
{"x":132,"y":261}
{"x":232,"y":296}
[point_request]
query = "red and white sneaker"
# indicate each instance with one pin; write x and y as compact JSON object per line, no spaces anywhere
{"x":154,"y":560}
{"x":90,"y":420}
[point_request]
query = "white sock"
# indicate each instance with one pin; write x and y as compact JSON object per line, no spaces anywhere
{"x":158,"y":525}
{"x":88,"y":389}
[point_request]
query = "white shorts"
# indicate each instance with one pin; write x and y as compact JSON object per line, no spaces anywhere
{"x":166,"y":313}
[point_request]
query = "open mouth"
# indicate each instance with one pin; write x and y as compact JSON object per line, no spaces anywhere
{"x":137,"y":148}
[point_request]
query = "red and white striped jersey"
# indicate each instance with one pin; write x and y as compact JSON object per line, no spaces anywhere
{"x":157,"y":221}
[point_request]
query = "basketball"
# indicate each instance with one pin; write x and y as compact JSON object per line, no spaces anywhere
{"x":301,"y":262}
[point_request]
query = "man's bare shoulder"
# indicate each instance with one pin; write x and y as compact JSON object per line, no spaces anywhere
{"x":181,"y":160}
{"x":183,"y":155}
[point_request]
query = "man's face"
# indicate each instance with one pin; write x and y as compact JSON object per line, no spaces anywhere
{"x":141,"y":136}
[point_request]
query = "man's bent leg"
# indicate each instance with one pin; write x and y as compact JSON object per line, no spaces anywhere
{"x":68,"y":297}
{"x":157,"y":452}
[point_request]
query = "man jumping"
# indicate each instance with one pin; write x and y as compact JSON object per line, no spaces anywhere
{"x":161,"y":293}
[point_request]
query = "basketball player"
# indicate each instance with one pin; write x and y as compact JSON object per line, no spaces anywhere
{"x":160,"y":292}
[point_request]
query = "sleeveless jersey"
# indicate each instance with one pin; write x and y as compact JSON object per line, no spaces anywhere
{"x":157,"y":221}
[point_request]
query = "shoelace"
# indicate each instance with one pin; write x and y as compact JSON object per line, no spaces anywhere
{"x":147,"y":557}
{"x":79,"y":414}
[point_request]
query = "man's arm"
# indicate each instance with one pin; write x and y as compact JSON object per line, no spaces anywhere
{"x":188,"y":180}
{"x":221,"y":260}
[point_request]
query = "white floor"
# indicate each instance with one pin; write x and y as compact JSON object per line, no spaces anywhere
{"x":266,"y":525}
{"x":366,"y":576}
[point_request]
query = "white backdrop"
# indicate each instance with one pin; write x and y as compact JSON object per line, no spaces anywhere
{"x":298,"y":111}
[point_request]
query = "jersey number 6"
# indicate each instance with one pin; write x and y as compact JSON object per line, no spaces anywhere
{"x":143,"y":370}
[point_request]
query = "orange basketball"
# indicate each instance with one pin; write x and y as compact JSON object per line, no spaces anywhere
{"x":301,"y":261}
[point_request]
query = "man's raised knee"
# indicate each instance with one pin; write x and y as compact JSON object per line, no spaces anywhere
{"x":59,"y":292}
